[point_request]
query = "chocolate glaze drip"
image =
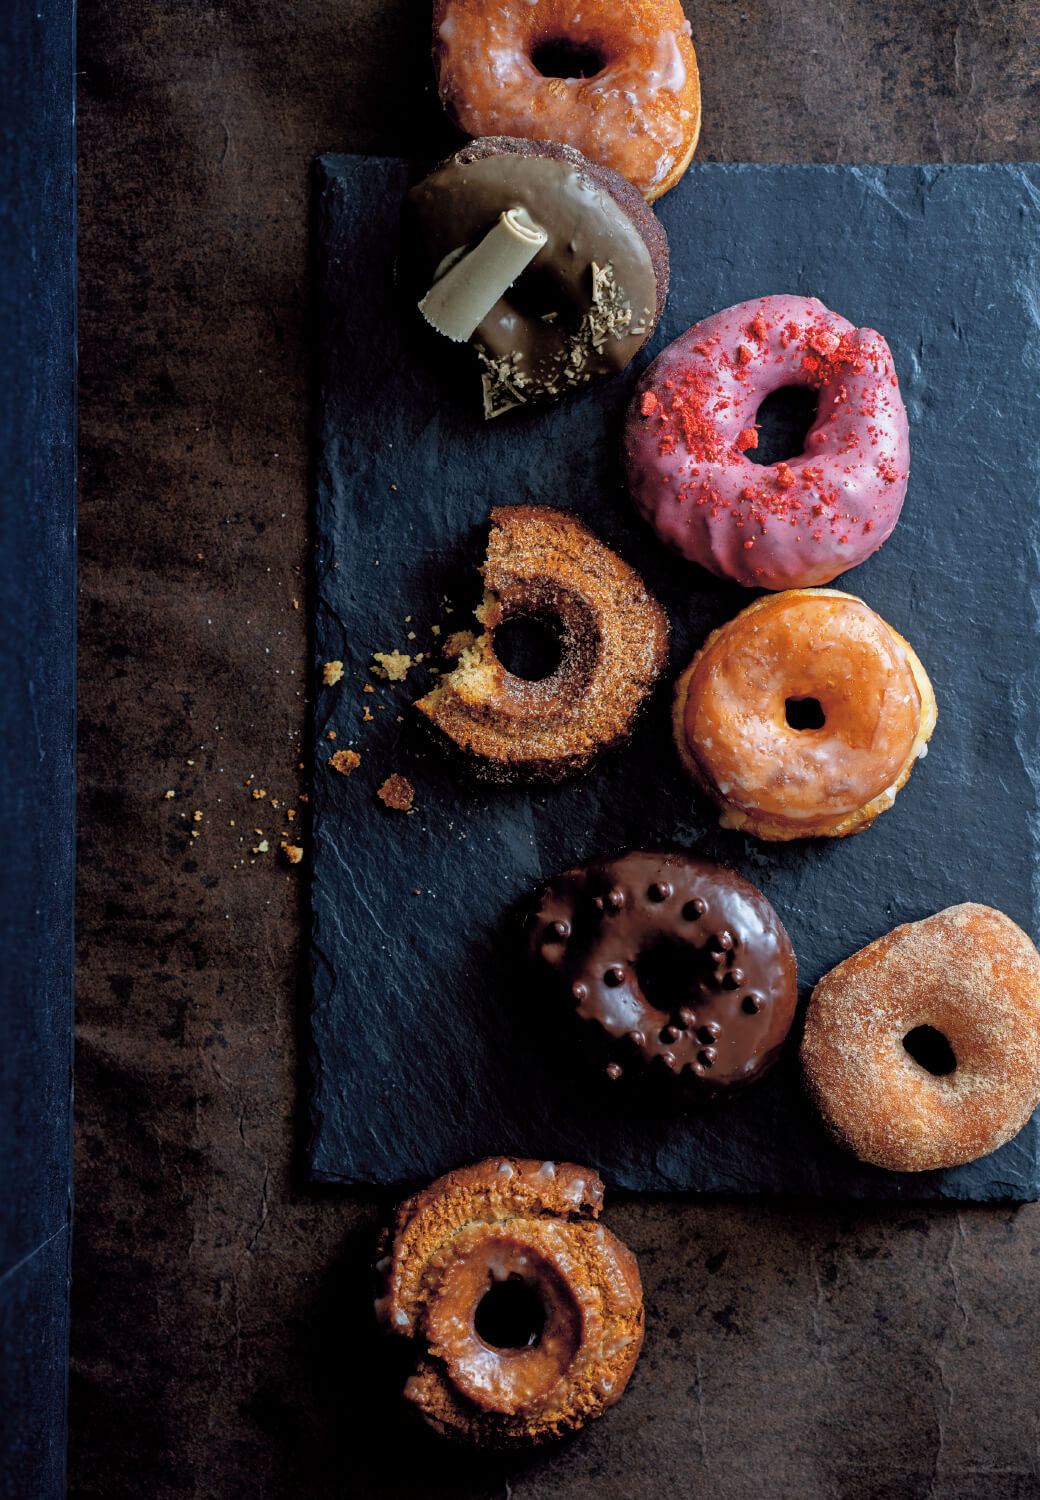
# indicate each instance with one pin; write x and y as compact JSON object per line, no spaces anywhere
{"x":683,"y":958}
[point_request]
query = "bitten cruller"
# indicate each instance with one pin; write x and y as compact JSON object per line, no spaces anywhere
{"x":544,"y":564}
{"x":527,"y":1314}
{"x":803,"y":716}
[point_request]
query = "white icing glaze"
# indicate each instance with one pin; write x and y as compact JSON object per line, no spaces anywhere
{"x":668,"y":70}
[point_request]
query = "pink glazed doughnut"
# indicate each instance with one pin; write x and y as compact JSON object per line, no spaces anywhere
{"x":787,"y":525}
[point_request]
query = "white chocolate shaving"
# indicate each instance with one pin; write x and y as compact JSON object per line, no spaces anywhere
{"x":460,"y":299}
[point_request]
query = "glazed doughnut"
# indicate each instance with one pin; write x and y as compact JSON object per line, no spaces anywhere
{"x":587,"y":301}
{"x":725,"y":985}
{"x":613,"y":636}
{"x":569,"y":1314}
{"x":634,"y":103}
{"x":968,"y":973}
{"x":803,"y":716}
{"x":692,"y":420}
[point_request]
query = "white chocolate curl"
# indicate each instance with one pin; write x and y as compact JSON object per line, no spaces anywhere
{"x":460,"y":299}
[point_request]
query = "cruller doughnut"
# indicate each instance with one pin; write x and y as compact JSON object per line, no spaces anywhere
{"x":530,"y":1312}
{"x":613,"y":636}
{"x":692,"y":422}
{"x":968,"y":973}
{"x":803,"y":716}
{"x":629,"y":96}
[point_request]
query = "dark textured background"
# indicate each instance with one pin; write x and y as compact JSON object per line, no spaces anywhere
{"x":37,"y":698}
{"x":220,"y":1338}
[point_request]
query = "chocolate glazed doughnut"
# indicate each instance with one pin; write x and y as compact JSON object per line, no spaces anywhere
{"x":684,"y":960}
{"x":531,"y":1313}
{"x":588,"y":300}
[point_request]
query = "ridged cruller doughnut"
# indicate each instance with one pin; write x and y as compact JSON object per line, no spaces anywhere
{"x":517,"y":1232}
{"x":969,"y":974}
{"x":545,"y":564}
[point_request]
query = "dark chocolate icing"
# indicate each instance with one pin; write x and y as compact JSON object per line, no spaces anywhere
{"x":684,"y":958}
{"x":587,"y":302}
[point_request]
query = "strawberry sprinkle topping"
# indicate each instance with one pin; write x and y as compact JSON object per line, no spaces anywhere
{"x":693,"y":422}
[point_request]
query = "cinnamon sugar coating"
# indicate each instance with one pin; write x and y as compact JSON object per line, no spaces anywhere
{"x":546,"y":564}
{"x":529,"y":1224}
{"x":971,"y":974}
{"x":775,"y":781}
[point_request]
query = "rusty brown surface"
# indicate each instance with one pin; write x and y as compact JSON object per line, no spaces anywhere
{"x":221,"y":1344}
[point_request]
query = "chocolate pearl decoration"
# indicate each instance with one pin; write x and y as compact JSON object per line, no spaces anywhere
{"x":691,"y":968}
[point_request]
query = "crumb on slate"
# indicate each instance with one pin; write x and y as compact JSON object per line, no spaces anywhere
{"x":393,"y":665}
{"x":345,"y":761}
{"x":397,"y":792}
{"x":331,"y":672}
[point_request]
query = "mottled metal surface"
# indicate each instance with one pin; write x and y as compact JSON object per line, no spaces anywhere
{"x":221,"y":1344}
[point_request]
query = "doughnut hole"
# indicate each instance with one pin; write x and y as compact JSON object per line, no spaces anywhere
{"x":510,"y":1315}
{"x":804,"y":713}
{"x":565,"y":57}
{"x":783,"y":420}
{"x":666,"y":973}
{"x":529,"y":646}
{"x":930,"y":1050}
{"x":537,"y":294}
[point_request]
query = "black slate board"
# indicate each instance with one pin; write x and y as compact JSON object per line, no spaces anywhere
{"x":37,"y":734}
{"x":425,"y":1053}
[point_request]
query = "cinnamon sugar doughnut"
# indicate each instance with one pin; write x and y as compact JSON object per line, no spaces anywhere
{"x":633,"y":102}
{"x":968,"y":973}
{"x":544,"y":564}
{"x":803,"y":716}
{"x":531,"y":1313}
